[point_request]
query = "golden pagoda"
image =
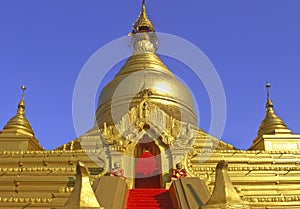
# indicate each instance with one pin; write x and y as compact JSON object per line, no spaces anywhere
{"x":146,"y":151}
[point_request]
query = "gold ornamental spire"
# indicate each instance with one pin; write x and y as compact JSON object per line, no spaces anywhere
{"x":144,"y":38}
{"x":143,"y":23}
{"x":19,"y":123}
{"x":21,"y":104}
{"x":269,"y":104}
{"x":271,"y":124}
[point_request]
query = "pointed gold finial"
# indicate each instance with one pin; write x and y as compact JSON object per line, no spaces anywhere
{"x":143,"y":23}
{"x":23,"y":88}
{"x":144,"y":38}
{"x":21,"y":104}
{"x":268,"y":86}
{"x":269,"y":104}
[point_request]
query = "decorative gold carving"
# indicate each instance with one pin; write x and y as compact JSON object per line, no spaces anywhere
{"x":288,"y":198}
{"x":144,"y":42}
{"x":25,"y":200}
{"x":186,"y":138}
{"x":114,"y":138}
{"x":147,"y":115}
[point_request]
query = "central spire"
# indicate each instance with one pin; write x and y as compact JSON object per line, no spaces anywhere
{"x":144,"y":70}
{"x":143,"y":34}
{"x":143,"y":23}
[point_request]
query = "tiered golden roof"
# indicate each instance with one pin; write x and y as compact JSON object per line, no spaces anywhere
{"x":19,"y":123}
{"x":271,"y":124}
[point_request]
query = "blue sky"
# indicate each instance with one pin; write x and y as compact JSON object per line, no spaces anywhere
{"x":44,"y":45}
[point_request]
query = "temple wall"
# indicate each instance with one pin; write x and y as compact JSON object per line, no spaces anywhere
{"x":264,"y":178}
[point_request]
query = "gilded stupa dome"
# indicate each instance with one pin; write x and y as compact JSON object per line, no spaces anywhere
{"x":271,"y":124}
{"x":145,"y":75}
{"x":19,"y":124}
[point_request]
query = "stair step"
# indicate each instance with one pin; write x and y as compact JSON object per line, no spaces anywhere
{"x":148,"y":207}
{"x":149,"y":192}
{"x":149,"y":199}
{"x":143,"y":202}
{"x":154,"y":196}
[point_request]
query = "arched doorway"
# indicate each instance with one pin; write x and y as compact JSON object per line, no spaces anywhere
{"x":147,"y":164}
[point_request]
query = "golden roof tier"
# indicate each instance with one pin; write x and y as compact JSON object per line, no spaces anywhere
{"x":19,"y":123}
{"x":271,"y":124}
{"x":145,"y":77}
{"x":17,"y":134}
{"x":273,"y":134}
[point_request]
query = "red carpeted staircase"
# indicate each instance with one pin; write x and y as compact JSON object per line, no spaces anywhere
{"x":149,"y":199}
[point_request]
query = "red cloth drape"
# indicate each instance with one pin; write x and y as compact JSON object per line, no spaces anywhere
{"x":146,"y":165}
